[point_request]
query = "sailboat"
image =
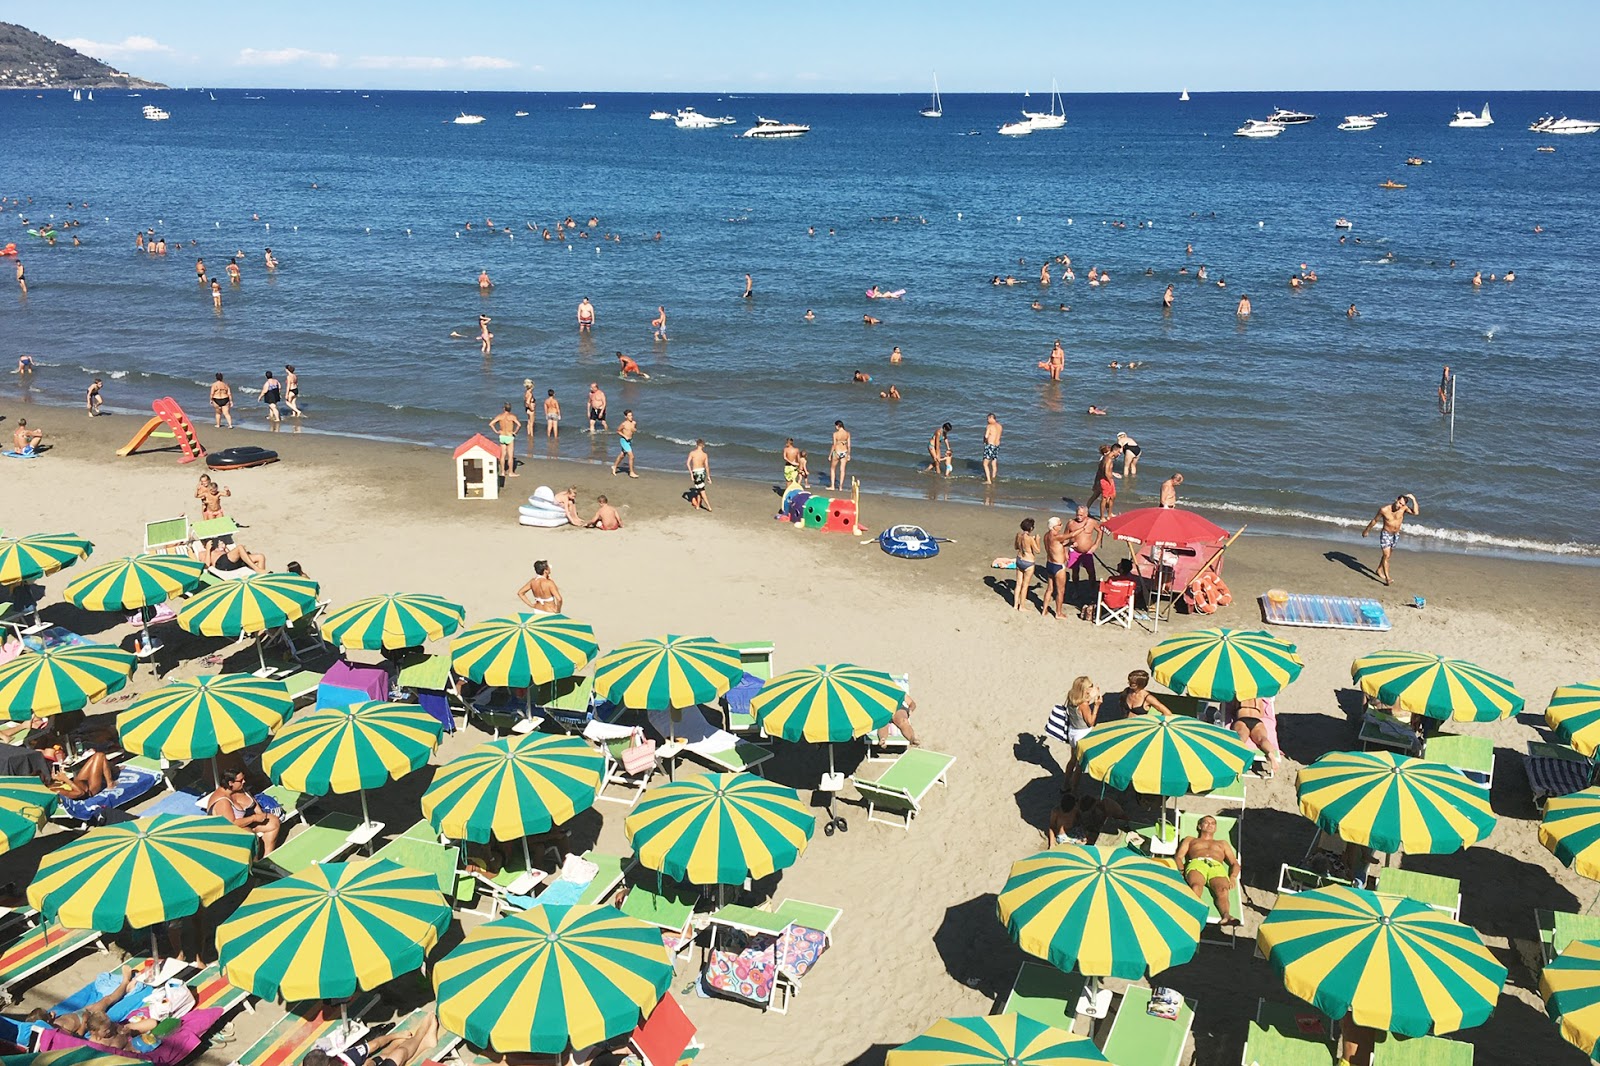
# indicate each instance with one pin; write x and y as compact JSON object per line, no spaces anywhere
{"x":1183,"y":97}
{"x":77,"y":94}
{"x":935,"y":109}
{"x":1053,"y":119}
{"x":91,"y":94}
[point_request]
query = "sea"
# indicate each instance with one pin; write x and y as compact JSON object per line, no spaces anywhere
{"x":1300,"y":420}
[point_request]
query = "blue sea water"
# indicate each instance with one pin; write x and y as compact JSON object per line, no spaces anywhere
{"x":1302,"y":418}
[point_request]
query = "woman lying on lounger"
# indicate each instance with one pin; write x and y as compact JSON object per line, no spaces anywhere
{"x":92,"y":777}
{"x":1248,"y":718}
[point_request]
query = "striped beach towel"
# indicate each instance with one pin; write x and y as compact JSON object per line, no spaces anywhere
{"x":1056,"y":725}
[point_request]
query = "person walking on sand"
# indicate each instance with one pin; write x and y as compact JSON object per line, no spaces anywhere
{"x":1169,"y":491}
{"x":1026,"y":544}
{"x":552,"y":415}
{"x":1056,"y":542}
{"x":939,"y":451}
{"x":991,"y":449}
{"x":1105,"y":481}
{"x":838,"y":455}
{"x":585,"y":315}
{"x":91,"y":399}
{"x":1391,"y":517}
{"x":222,"y":402}
{"x":659,"y":323}
{"x":699,"y":464}
{"x":625,"y":434}
{"x":1082,"y":711}
{"x":597,"y":407}
{"x":272,"y":395}
{"x":291,"y":389}
{"x":506,"y":425}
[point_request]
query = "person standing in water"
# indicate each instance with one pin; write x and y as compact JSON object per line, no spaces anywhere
{"x":749,"y":287}
{"x":597,"y":407}
{"x":506,"y":425}
{"x":699,"y":464}
{"x":942,"y":462}
{"x":991,"y":449}
{"x":291,"y":389}
{"x":272,"y":395}
{"x":585,"y":315}
{"x":1166,"y":299}
{"x":1391,"y":516}
{"x":625,"y":433}
{"x":838,"y":455}
{"x":529,"y":408}
{"x":91,"y":399}
{"x":659,"y":323}
{"x":1243,"y":310}
{"x":1057,"y":360}
{"x":552,"y":415}
{"x":1446,"y":390}
{"x":1105,"y":484}
{"x":485,"y":338}
{"x":222,"y":401}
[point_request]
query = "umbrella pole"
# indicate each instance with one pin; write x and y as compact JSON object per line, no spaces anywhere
{"x":527,"y":857}
{"x":366,"y":819}
{"x":216,"y":774}
{"x":261,"y":653}
{"x":155,"y":954}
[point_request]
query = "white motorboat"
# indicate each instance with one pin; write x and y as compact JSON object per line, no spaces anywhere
{"x":1183,"y":97}
{"x":936,"y":108}
{"x":1284,"y":117}
{"x":520,"y":114}
{"x":1358,"y":123}
{"x":1053,"y":119}
{"x":155,"y":114}
{"x":1343,"y":223}
{"x":690,"y":119}
{"x":1017,"y":129}
{"x":465,"y":119}
{"x":660,"y":116}
{"x":1255,"y":127}
{"x":584,"y":107}
{"x":1466,"y":120}
{"x":1565,"y":126}
{"x":769,"y":129}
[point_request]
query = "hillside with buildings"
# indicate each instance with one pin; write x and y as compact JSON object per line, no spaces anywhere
{"x":31,"y":61}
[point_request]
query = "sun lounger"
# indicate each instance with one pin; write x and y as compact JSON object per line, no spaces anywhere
{"x":1282,"y":1035}
{"x":1326,"y":612}
{"x":287,"y":1042}
{"x":1422,"y":1051}
{"x":671,"y":909}
{"x":40,"y":949}
{"x":761,"y":957}
{"x":174,"y":1047}
{"x":442,"y":1048}
{"x":1293,"y":879}
{"x":619,"y":785}
{"x":744,"y":757}
{"x":167,"y":536}
{"x":756,"y":657}
{"x":565,"y":887}
{"x":1472,"y":755}
{"x":1556,"y":770}
{"x":323,"y":842}
{"x":1441,"y":893}
{"x":665,"y":1038}
{"x":1557,"y":929}
{"x":213,"y":990}
{"x":1138,"y":1039}
{"x":1045,"y":994}
{"x":135,"y":778}
{"x":1228,"y":829}
{"x":428,"y":856}
{"x":903,"y":786}
{"x":567,"y":704}
{"x":1383,"y":730}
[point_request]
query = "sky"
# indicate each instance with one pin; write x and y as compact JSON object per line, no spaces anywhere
{"x":830,"y":46}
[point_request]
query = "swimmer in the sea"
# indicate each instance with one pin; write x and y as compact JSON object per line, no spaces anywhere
{"x":860,"y":378}
{"x":1093,"y":410}
{"x":810,"y":315}
{"x":868,"y":320}
{"x":628,"y":366}
{"x":891,"y":393}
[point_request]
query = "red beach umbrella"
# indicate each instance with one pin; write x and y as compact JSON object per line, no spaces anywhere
{"x":1164,"y":525}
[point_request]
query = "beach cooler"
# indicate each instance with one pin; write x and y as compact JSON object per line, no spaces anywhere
{"x":841,"y":517}
{"x":796,"y":506}
{"x":814,"y":515}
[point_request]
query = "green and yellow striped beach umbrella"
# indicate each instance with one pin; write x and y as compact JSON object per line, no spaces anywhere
{"x":718,"y":829}
{"x":404,"y":620}
{"x":336,"y":928}
{"x":137,"y":581}
{"x":349,"y":749}
{"x":827,"y":704}
{"x":250,"y":604}
{"x":663,"y":673}
{"x":1394,"y":802}
{"x":25,"y":804}
{"x":30,"y":558}
{"x":1570,"y":985}
{"x":1225,"y":664}
{"x":1103,"y":911}
{"x":550,"y":978}
{"x":1574,"y":713}
{"x":1164,"y":755}
{"x":1396,"y":964}
{"x":1431,"y":685}
{"x":1571,"y":830}
{"x":514,"y":787}
{"x":142,"y":873}
{"x":996,"y":1040}
{"x":523,"y":649}
{"x":62,"y":679}
{"x":199,"y":717}
{"x":17,"y":828}
{"x":86,"y":1055}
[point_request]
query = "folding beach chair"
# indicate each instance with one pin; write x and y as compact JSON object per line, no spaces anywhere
{"x":756,"y":658}
{"x":1472,"y":755}
{"x":1228,"y":828}
{"x":167,"y":536}
{"x":665,"y":1038}
{"x":1114,"y":602}
{"x":760,"y":957}
{"x":590,"y":882}
{"x":136,"y":778}
{"x":41,"y":949}
{"x":744,"y":757}
{"x":1557,"y":929}
{"x":442,"y":1048}
{"x":1381,"y":729}
{"x":1137,"y":1037}
{"x":1422,"y":1051}
{"x":325,"y":841}
{"x":301,"y":1026}
{"x":1282,"y":1035}
{"x":1293,"y":879}
{"x":1443,"y":894}
{"x":302,"y":638}
{"x":904,"y":785}
{"x":1047,"y":995}
{"x":620,"y":785}
{"x":671,"y":909}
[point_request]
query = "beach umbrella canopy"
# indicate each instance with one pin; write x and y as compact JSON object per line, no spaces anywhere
{"x":552,"y":977}
{"x":718,"y":829}
{"x":523,"y":649}
{"x":30,"y":558}
{"x":404,"y":620}
{"x":142,"y":873}
{"x":514,"y":787}
{"x":199,"y":717}
{"x":1571,"y":830}
{"x":1103,"y":911}
{"x":137,"y":581}
{"x":827,"y":704}
{"x":17,"y":828}
{"x":996,"y":1040}
{"x":86,"y":1055}
{"x":1570,"y":985}
{"x":1437,"y":687}
{"x":1164,"y":525}
{"x":1225,"y":664}
{"x":60,"y":679}
{"x":333,"y":929}
{"x":24,"y":806}
{"x":253,"y":603}
{"x":1396,"y":964}
{"x":1164,"y":755}
{"x":667,"y":672}
{"x":1394,"y":802}
{"x":1574,"y":713}
{"x":345,"y":749}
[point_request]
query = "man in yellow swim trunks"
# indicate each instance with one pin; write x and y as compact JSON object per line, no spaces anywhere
{"x":1209,"y":863}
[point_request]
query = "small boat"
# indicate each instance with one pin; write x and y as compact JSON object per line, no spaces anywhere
{"x":1390,"y":183}
{"x":1284,"y":117}
{"x":91,"y":94}
{"x":465,"y":119}
{"x":1545,"y":148}
{"x":936,"y":108}
{"x":155,"y":114}
{"x":1254,"y":127}
{"x":584,"y":107}
{"x":520,"y":114}
{"x":908,"y":542}
{"x":1343,"y":223}
{"x":876,"y":293}
{"x":1053,"y":119}
{"x":768,"y":129}
{"x":77,"y":95}
{"x":660,"y":116}
{"x":1358,"y":123}
{"x":1183,"y":97}
{"x":1017,"y":129}
{"x":1466,"y":120}
{"x":1416,"y":161}
{"x":214,"y":96}
{"x":690,"y":119}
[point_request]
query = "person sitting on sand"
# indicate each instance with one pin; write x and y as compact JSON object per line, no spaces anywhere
{"x":390,"y":1049}
{"x":1137,"y":698}
{"x":605,"y":516}
{"x":568,"y":499}
{"x":89,"y":778}
{"x":1209,"y":863}
{"x":1080,"y":821}
{"x":540,"y":593}
{"x":234,"y":801}
{"x":24,"y":440}
{"x":225,"y":558}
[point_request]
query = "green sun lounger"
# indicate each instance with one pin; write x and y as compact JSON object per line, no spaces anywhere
{"x":904,"y":785}
{"x":1046,"y":995}
{"x":565,"y":702}
{"x":744,"y":757}
{"x":1557,"y":929}
{"x":1473,"y":756}
{"x":1422,"y":1051}
{"x":1227,"y":829}
{"x":428,"y":856}
{"x":1282,"y":1035}
{"x":811,"y":915}
{"x":446,"y":1043}
{"x":1440,"y":893}
{"x":1137,"y":1039}
{"x":322,"y":842}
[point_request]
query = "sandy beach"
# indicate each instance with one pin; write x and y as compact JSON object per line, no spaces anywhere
{"x":919,"y":938}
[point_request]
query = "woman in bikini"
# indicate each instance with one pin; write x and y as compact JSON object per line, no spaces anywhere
{"x":233,"y":801}
{"x":1027,"y":546}
{"x":1248,"y":719}
{"x":92,"y":777}
{"x":1136,"y":698}
{"x":540,"y":593}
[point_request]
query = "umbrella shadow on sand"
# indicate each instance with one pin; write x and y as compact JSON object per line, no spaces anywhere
{"x":873,"y":1056}
{"x":975,"y":948}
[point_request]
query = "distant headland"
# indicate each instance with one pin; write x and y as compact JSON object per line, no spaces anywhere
{"x":31,"y":61}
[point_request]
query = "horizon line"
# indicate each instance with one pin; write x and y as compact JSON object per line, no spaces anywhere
{"x":795,"y":92}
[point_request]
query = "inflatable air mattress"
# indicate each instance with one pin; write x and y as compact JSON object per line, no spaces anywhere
{"x":239,"y":458}
{"x":542,"y":510}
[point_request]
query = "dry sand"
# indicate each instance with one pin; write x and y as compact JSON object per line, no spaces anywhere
{"x":919,"y":939}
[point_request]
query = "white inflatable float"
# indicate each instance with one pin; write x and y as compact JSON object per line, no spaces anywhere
{"x":542,"y":510}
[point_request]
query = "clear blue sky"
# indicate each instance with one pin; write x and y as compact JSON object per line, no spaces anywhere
{"x":829,"y":46}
